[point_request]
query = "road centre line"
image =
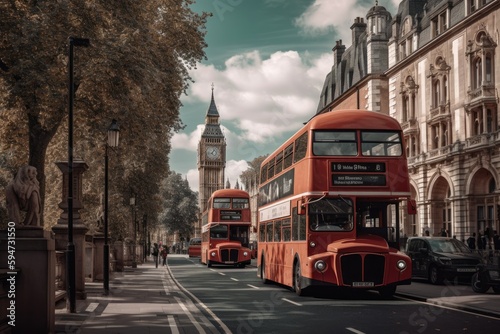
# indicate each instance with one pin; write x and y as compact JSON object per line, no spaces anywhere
{"x":222,"y":274}
{"x":354,"y":330}
{"x":253,"y":286}
{"x":235,"y":279}
{"x":291,"y":302}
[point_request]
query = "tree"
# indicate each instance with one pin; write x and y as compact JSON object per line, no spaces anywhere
{"x":250,"y":177}
{"x":181,"y":205}
{"x":135,"y":71}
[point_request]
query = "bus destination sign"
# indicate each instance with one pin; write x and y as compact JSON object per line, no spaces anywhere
{"x":358,"y":180}
{"x":357,"y":167}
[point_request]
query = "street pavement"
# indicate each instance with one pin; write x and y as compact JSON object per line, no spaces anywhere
{"x":147,"y":300}
{"x":141,"y":300}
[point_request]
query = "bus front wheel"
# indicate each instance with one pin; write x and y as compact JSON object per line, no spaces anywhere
{"x":297,"y":279}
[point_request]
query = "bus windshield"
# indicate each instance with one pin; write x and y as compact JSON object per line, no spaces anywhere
{"x":331,"y":215}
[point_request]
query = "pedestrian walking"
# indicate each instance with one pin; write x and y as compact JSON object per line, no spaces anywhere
{"x":164,"y":253}
{"x":155,"y":254}
{"x":471,"y":242}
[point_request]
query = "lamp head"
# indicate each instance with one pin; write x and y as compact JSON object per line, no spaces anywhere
{"x":113,"y":134}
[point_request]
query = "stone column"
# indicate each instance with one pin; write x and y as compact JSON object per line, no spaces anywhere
{"x":98,"y":274}
{"x":79,"y":228}
{"x":33,"y":301}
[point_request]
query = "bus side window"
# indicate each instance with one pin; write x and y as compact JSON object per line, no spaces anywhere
{"x":300,"y":147}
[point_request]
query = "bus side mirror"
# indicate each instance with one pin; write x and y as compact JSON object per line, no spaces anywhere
{"x":412,"y":207}
{"x":301,"y":207}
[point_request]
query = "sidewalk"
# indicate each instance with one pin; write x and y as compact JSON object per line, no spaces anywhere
{"x":141,"y":300}
{"x":458,"y":296}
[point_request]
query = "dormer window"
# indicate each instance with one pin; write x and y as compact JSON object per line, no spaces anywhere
{"x":439,"y":23}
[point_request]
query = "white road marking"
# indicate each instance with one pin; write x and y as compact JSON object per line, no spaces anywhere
{"x":190,"y":316}
{"x":235,"y":279}
{"x":91,"y":307}
{"x":291,"y":302}
{"x":222,"y":274}
{"x":253,"y":286}
{"x":172,"y":324}
{"x":354,"y":330}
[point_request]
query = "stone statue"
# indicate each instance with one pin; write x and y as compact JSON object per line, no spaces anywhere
{"x":23,"y":194}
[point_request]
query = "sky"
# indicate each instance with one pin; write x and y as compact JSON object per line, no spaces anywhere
{"x":267,"y":61}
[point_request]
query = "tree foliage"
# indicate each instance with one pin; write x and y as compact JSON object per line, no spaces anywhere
{"x":250,"y":177}
{"x":181,"y":206}
{"x":134,"y":71}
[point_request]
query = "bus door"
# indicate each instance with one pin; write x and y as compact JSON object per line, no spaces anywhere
{"x":240,"y":234}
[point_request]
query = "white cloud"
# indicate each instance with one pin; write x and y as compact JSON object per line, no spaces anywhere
{"x":262,"y":98}
{"x":232,"y":172}
{"x":322,"y":15}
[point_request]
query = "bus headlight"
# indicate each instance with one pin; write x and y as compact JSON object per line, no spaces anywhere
{"x":401,"y":264}
{"x":212,"y":254}
{"x":320,"y":266}
{"x":312,"y":244}
{"x":245,"y":254}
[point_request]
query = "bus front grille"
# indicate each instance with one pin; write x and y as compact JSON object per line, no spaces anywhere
{"x":362,"y":268}
{"x":229,"y":255}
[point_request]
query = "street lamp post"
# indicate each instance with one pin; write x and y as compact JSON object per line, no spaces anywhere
{"x":113,"y":138}
{"x":70,"y":250}
{"x":134,"y":225}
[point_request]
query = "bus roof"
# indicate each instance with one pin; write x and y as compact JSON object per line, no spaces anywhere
{"x":343,"y":119}
{"x":229,"y":193}
{"x":353,"y":119}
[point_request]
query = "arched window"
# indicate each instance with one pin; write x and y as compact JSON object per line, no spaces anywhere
{"x":492,"y":186}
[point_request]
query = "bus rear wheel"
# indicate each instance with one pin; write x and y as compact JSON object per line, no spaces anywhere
{"x":297,"y":279}
{"x":263,"y":272}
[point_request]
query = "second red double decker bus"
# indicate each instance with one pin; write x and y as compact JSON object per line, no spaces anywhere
{"x":226,"y":229}
{"x":331,"y":200}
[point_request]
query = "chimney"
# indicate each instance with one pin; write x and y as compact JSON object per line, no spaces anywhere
{"x":358,"y":27}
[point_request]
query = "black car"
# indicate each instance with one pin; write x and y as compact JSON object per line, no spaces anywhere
{"x":440,"y":258}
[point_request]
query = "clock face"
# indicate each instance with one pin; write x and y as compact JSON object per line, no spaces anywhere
{"x":213,"y":152}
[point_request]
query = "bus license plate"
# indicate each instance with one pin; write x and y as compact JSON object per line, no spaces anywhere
{"x":363,"y":284}
{"x":466,"y":270}
{"x":229,"y":262}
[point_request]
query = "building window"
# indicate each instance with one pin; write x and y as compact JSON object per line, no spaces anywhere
{"x":435,"y":93}
{"x":488,"y":68}
{"x":439,"y":23}
{"x":478,"y":73}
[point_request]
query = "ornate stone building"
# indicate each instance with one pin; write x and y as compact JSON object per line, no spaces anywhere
{"x":432,"y":66}
{"x":211,"y":156}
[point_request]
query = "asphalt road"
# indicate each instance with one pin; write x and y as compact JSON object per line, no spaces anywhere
{"x":239,"y":302}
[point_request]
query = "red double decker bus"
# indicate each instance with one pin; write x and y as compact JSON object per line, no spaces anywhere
{"x":331,"y":201}
{"x":226,"y":229}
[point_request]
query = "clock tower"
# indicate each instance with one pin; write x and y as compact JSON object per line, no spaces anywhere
{"x":211,"y":156}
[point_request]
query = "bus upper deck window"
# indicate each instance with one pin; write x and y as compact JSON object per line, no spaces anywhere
{"x":240,"y":203}
{"x":335,"y":143}
{"x":381,"y":143}
{"x":222,"y":203}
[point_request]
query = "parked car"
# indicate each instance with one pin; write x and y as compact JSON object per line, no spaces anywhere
{"x":440,"y":258}
{"x":194,"y":249}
